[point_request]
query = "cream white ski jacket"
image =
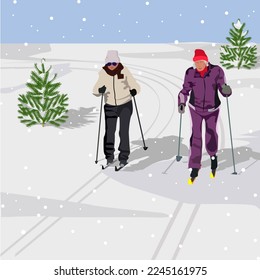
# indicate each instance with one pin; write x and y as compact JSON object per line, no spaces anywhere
{"x":117,"y":90}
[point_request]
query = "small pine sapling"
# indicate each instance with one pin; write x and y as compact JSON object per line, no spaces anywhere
{"x":42,"y":104}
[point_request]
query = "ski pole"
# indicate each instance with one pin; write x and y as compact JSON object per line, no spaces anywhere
{"x":179,"y":157}
{"x":100,"y":114}
{"x":233,"y":157}
{"x":144,"y":147}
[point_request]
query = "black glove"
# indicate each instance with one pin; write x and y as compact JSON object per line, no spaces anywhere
{"x":181,"y":108}
{"x":133,"y":92}
{"x":102,"y":90}
{"x":226,"y":90}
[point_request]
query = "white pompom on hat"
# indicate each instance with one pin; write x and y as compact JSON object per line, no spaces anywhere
{"x":112,"y":56}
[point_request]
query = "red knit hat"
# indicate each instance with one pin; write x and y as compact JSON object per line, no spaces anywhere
{"x":200,"y":55}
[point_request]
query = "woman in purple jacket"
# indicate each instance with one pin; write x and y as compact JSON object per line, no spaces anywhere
{"x":202,"y":84}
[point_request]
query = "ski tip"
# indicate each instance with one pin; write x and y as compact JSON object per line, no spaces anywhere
{"x":212,"y":174}
{"x":191,"y":181}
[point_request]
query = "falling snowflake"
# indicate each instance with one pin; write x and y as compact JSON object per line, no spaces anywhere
{"x":226,"y":13}
{"x":202,"y":21}
{"x":51,"y":18}
{"x":147,"y":3}
{"x":150,"y":175}
{"x":23,"y":232}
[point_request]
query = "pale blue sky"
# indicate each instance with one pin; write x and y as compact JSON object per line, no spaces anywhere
{"x":129,"y":21}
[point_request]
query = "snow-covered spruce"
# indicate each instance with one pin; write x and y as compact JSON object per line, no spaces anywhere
{"x":42,"y":104}
{"x":240,"y":54}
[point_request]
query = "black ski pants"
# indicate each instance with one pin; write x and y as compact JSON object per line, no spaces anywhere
{"x":112,"y":113}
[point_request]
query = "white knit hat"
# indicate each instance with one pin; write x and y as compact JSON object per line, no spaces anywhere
{"x":112,"y":56}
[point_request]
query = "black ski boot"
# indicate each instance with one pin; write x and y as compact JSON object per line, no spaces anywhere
{"x":193,"y":175}
{"x":214,"y":165}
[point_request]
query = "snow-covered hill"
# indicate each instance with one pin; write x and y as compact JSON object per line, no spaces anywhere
{"x":57,"y":203}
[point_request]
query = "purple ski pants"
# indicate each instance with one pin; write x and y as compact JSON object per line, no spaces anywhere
{"x":211,"y":136}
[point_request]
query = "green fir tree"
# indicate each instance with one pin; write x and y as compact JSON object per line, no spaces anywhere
{"x":42,"y":104}
{"x":239,"y":54}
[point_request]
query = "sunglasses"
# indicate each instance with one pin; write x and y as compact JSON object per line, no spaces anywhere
{"x":111,"y":63}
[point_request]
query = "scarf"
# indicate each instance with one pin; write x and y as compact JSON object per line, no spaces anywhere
{"x":203,"y":72}
{"x":116,"y":71}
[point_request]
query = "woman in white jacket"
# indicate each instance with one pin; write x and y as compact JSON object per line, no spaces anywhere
{"x":118,"y":86}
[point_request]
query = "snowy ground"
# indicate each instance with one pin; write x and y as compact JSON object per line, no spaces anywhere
{"x":56,"y":203}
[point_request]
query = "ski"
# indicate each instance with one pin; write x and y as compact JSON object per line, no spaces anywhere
{"x":105,"y":166}
{"x":191,"y":180}
{"x":117,"y":168}
{"x":213,"y":173}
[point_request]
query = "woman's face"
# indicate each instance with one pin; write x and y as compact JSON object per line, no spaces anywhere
{"x":112,"y":65}
{"x":200,"y":65}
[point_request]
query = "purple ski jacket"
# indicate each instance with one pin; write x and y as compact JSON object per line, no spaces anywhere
{"x":203,"y":91}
